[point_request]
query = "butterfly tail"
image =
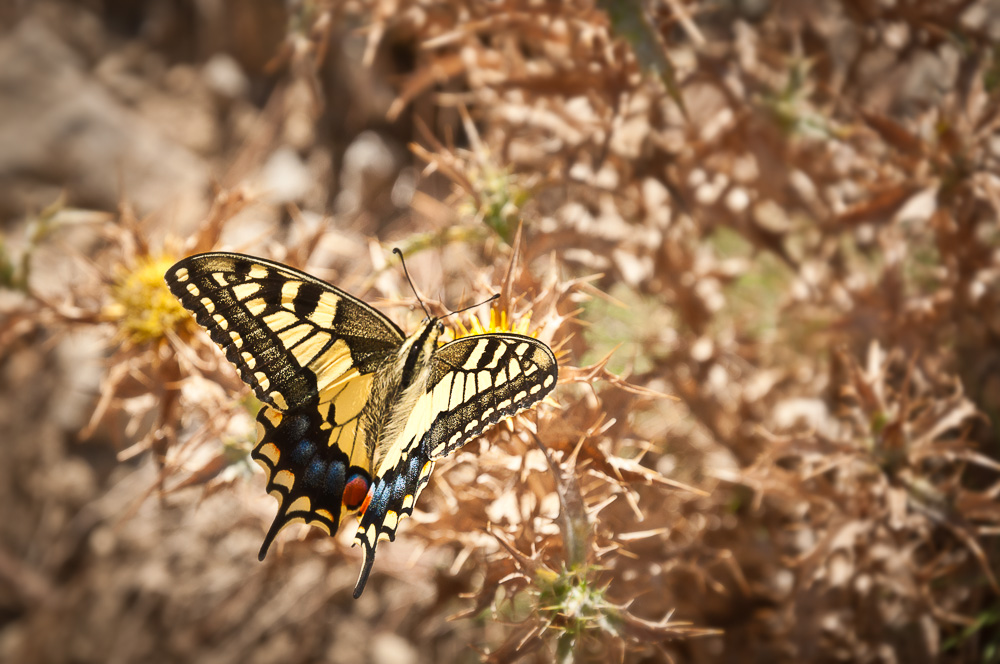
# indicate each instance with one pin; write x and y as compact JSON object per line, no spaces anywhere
{"x":279,"y":522}
{"x":366,"y":569}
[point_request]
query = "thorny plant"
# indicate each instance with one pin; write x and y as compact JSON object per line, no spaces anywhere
{"x":201,"y":437}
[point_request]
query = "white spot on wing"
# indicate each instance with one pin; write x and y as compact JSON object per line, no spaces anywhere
{"x":442,"y":393}
{"x":457,"y":391}
{"x":244,"y":291}
{"x":391,"y":520}
{"x":270,"y":452}
{"x":262,"y":380}
{"x":332,"y":364}
{"x":289,"y":290}
{"x":284,"y":478}
{"x":281,"y":319}
{"x":470,"y":387}
{"x":324,"y":312}
{"x":256,"y":307}
{"x":306,"y":351}
{"x":501,"y":347}
{"x":476,"y":354}
{"x":294,"y":335}
{"x":483,"y":379}
{"x":279,"y":400}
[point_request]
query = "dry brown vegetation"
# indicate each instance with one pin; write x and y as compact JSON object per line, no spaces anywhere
{"x":783,"y":215}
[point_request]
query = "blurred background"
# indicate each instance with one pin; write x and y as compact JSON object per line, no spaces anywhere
{"x":762,"y":236}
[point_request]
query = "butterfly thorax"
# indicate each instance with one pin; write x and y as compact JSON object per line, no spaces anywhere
{"x":398,"y":384}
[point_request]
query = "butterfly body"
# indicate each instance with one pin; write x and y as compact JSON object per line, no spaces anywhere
{"x":355,"y":413}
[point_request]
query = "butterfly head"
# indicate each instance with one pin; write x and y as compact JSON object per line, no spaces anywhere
{"x":416,"y":352}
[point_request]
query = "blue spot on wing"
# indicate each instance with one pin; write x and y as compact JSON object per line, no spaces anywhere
{"x":294,"y":425}
{"x":398,"y":491}
{"x":334,"y":482}
{"x":304,"y":451}
{"x":380,"y":502}
{"x":315,"y":474}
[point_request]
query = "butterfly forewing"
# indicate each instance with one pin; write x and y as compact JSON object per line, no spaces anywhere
{"x":474,"y":383}
{"x":478,"y":381}
{"x":290,"y":335}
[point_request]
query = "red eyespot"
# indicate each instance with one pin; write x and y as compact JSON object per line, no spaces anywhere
{"x":356,"y":492}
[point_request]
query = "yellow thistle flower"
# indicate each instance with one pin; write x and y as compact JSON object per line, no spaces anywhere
{"x":142,"y":305}
{"x":498,"y":322}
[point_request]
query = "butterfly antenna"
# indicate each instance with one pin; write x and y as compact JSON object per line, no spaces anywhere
{"x":473,"y":306}
{"x":407,"y":273}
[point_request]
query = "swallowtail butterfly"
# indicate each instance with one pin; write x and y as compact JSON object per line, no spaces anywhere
{"x":354,"y":412}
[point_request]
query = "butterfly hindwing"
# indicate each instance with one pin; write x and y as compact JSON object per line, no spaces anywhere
{"x":392,"y":498}
{"x":290,"y":335}
{"x":319,"y":472}
{"x":474,"y":383}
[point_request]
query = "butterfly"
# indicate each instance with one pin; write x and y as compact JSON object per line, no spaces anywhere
{"x":354,"y":413}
